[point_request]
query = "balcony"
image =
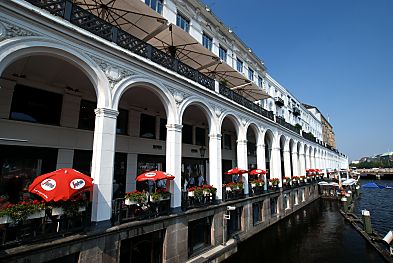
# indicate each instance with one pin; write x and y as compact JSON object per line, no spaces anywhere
{"x":279,"y":102}
{"x":97,"y":26}
{"x":230,"y":94}
{"x":282,"y":122}
{"x":296,"y":111}
{"x":309,"y":136}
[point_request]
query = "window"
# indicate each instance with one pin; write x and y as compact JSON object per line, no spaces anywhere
{"x":163,"y":129}
{"x":207,"y":41}
{"x":35,"y":105}
{"x":227,"y":144}
{"x":234,"y":224}
{"x":187,"y":134}
{"x":87,"y":117}
{"x":239,"y":65}
{"x":260,"y":81}
{"x":251,"y":74}
{"x":183,"y":22}
{"x":122,"y":122}
{"x":257,"y":212}
{"x":200,"y":136}
{"x":199,"y":234}
{"x":273,"y":206}
{"x":222,"y":53}
{"x":155,"y":5}
{"x":147,"y":126}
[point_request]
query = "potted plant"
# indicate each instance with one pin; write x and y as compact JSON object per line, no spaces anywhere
{"x":135,"y":197}
{"x":274,"y":181}
{"x":159,"y":195}
{"x":287,"y":180}
{"x":209,"y":190}
{"x":257,"y":183}
{"x":22,"y":211}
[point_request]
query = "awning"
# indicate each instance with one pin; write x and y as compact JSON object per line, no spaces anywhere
{"x":139,"y":20}
{"x":133,"y":16}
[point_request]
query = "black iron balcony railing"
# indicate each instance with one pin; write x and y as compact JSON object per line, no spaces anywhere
{"x":122,"y":213}
{"x":43,"y":225}
{"x":232,"y":194}
{"x":309,"y":136}
{"x":90,"y":22}
{"x":255,"y":190}
{"x":279,"y":101}
{"x":296,"y":111}
{"x":230,"y":94}
{"x":189,"y":202}
{"x":282,"y":122}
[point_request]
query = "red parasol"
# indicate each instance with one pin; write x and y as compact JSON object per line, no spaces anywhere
{"x":310,"y":170}
{"x":61,"y":184}
{"x":236,"y":171}
{"x":257,"y":172}
{"x":154,"y":176}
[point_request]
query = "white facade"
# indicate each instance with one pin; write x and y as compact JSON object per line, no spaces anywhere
{"x":48,"y":53}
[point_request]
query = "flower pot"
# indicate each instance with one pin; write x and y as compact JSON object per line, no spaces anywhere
{"x":228,"y":188}
{"x":191,"y":194}
{"x":164,"y":198}
{"x":57,"y":211}
{"x":128,"y":201}
{"x":253,"y":185}
{"x":5,"y":220}
{"x":38,"y":214}
{"x":206,"y":193}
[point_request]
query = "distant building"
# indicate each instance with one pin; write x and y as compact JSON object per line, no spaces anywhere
{"x":328,"y":136}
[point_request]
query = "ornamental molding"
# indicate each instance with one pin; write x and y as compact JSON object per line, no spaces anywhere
{"x":113,"y":72}
{"x":178,"y":95}
{"x":8,"y":30}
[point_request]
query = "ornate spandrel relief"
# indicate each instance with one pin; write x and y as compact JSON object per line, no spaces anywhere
{"x":113,"y":72}
{"x":8,"y":30}
{"x":178,"y":95}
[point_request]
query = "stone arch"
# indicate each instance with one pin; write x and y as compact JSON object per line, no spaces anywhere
{"x":193,"y":100}
{"x":11,"y":51}
{"x":157,"y":88}
{"x":232,"y":116}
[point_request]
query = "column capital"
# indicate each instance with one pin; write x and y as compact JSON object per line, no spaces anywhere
{"x":105,"y":112}
{"x":241,"y":141}
{"x":174,"y":127}
{"x":262,"y":145}
{"x":215,"y":136}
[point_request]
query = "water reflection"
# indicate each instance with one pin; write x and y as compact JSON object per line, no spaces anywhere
{"x":316,"y":234}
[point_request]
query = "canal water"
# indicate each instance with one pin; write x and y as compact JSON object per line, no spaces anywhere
{"x":317,"y":233}
{"x":380,"y":204}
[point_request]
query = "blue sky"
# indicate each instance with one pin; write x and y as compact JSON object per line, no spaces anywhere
{"x":334,"y":54}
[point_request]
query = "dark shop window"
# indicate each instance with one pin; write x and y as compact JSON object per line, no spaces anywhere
{"x":163,"y":129}
{"x":273,"y":206}
{"x":187,"y":134}
{"x":227,"y":145}
{"x":35,"y":105}
{"x":234,"y":224}
{"x":87,"y":115}
{"x":199,"y":235}
{"x":257,"y":209}
{"x":122,"y":122}
{"x":148,"y":126}
{"x":200,"y":136}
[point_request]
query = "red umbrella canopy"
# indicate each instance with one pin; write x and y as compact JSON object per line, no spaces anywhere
{"x":154,"y":176}
{"x":236,"y":171}
{"x":310,"y":170}
{"x":257,"y":171}
{"x":61,"y":184}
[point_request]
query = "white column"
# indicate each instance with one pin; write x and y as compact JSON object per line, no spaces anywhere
{"x":276,"y":164}
{"x":242,"y":161}
{"x":287,"y":163}
{"x":103,"y":163}
{"x":302,"y":164}
{"x":215,"y":163}
{"x":65,"y":158}
{"x":173,"y":161}
{"x":295,"y":166}
{"x":6,"y":93}
{"x":261,"y":161}
{"x":132,"y":168}
{"x":307,"y":156}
